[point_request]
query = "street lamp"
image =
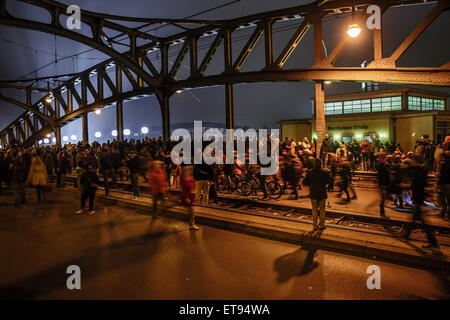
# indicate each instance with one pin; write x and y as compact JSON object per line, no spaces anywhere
{"x":48,"y":99}
{"x":353,"y":30}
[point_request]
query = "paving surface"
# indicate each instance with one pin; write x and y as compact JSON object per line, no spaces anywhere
{"x":125,"y":254}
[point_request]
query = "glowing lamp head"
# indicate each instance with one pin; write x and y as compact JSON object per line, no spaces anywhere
{"x":179,"y":91}
{"x":144,"y":130}
{"x":98,"y":111}
{"x":98,"y":134}
{"x":126,"y":132}
{"x":65,"y":138}
{"x":353,"y":30}
{"x":46,"y":140}
{"x":48,"y":99}
{"x":358,"y":136}
{"x":54,"y":140}
{"x":73,"y":137}
{"x":114,"y":133}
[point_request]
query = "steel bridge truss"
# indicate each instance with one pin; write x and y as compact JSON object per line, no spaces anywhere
{"x":102,"y":85}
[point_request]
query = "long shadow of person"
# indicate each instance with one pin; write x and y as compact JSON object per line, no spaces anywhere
{"x":297,"y":263}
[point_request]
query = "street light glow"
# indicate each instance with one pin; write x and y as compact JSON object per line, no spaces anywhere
{"x":144,"y":130}
{"x":98,"y":134}
{"x":126,"y":132}
{"x":114,"y":133}
{"x":179,"y":91}
{"x":48,"y":99}
{"x":353,"y":30}
{"x":98,"y":111}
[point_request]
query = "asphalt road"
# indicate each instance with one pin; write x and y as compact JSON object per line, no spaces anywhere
{"x":124,"y":254}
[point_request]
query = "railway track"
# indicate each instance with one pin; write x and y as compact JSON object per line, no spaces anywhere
{"x":334,"y":218}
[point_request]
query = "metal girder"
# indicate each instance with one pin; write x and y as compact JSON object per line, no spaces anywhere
{"x":210,"y":54}
{"x":419,"y":76}
{"x":164,"y":82}
{"x":248,"y":48}
{"x":27,"y":107}
{"x":181,"y":54}
{"x":94,"y":42}
{"x":391,"y":61}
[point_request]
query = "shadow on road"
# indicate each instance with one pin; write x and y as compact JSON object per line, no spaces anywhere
{"x":297,"y":263}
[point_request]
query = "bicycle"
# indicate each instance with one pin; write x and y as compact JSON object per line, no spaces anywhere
{"x":250,"y":185}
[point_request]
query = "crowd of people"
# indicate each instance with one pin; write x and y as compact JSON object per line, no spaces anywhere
{"x":402,"y":176}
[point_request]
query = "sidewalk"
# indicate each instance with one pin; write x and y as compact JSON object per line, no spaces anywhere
{"x":373,"y":245}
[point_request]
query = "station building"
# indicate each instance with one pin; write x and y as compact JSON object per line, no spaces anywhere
{"x":391,"y":115}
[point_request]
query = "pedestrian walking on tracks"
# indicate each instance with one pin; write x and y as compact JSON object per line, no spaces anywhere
{"x":89,"y":183}
{"x":317,"y":179}
{"x":157,"y":182}
{"x":187,"y":194}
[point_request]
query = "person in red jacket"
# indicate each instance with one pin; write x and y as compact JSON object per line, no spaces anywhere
{"x":365,"y":152}
{"x":187,"y":194}
{"x":157,"y":183}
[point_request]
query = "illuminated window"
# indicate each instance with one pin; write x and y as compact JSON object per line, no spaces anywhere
{"x":376,"y":105}
{"x":333,"y":108}
{"x":414,"y":103}
{"x":439,"y":104}
{"x":425,"y":104}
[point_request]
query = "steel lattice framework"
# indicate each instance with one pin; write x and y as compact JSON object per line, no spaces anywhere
{"x":71,"y":98}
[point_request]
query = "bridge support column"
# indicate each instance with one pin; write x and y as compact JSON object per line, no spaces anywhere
{"x":320,"y":116}
{"x":58,"y":135}
{"x":85,"y":128}
{"x":165,"y":115}
{"x":26,"y":130}
{"x":119,"y":120}
{"x":229,"y":106}
{"x":320,"y":93}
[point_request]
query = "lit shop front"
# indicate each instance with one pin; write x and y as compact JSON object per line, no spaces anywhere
{"x":390,"y":115}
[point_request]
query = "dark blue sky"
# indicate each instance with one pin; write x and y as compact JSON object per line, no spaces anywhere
{"x":256,"y":105}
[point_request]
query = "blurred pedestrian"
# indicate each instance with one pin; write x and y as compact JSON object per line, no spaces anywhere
{"x":187,"y":194}
{"x":37,"y":177}
{"x":157,"y":182}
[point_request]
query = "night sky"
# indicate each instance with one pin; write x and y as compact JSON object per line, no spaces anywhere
{"x":256,"y":105}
